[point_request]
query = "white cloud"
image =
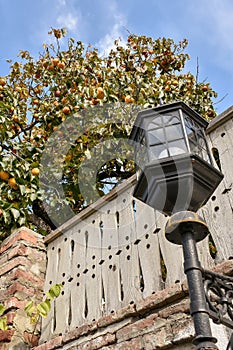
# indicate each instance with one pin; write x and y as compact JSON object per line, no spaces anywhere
{"x":68,"y":20}
{"x":118,"y":30}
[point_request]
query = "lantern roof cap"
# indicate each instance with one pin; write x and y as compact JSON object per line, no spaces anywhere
{"x":162,"y":109}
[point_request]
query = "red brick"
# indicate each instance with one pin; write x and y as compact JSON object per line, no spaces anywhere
{"x":10,"y":317}
{"x":19,"y":250}
{"x":182,"y":307}
{"x":97,"y":343}
{"x":117,"y":316}
{"x":18,"y":287}
{"x":26,"y":276}
{"x":6,"y":335}
{"x":14,"y":303}
{"x":160,"y":298}
{"x":19,"y":236}
{"x":31,"y":339}
{"x":52,"y":344}
{"x":20,"y":260}
{"x":140,"y":327}
{"x":77,"y":332}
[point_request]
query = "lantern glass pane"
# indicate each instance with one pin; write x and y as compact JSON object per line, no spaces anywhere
{"x":156,"y":136}
{"x":177,"y":147}
{"x":158,"y":151}
{"x":174,"y":132}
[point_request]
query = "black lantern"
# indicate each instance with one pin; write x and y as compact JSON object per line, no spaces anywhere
{"x":177,"y":169}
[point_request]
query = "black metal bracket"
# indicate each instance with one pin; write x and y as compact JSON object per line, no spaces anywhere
{"x":219,"y":296}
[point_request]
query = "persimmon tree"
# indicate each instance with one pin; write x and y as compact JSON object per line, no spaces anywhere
{"x":40,"y":94}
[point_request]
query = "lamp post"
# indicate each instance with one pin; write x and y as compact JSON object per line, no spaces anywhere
{"x":177,"y":176}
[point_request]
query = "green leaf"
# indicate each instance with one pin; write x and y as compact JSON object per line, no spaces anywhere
{"x":29,"y":308}
{"x":54,"y":291}
{"x":2,"y":309}
{"x":3,"y":323}
{"x":44,"y":308}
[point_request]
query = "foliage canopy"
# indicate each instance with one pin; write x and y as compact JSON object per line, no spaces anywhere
{"x":39,"y":95}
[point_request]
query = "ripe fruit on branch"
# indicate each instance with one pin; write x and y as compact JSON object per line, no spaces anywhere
{"x":4,"y":175}
{"x":205,"y":88}
{"x":35,"y":171}
{"x":100,"y":93}
{"x":129,"y":99}
{"x":66,"y":110}
{"x":12,"y":183}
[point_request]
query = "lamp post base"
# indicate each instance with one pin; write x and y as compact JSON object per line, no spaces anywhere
{"x":186,"y":228}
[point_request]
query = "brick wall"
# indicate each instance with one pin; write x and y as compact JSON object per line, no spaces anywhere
{"x":22,"y":271}
{"x":160,"y":321}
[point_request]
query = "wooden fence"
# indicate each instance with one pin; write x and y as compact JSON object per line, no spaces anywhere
{"x":115,"y":253}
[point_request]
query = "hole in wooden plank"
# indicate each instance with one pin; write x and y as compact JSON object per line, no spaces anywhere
{"x":86,"y":306}
{"x":157,"y":230}
{"x":63,"y":275}
{"x":119,"y":252}
{"x":78,"y":284}
{"x":63,"y":283}
{"x":121,"y":287}
{"x":86,"y":238}
{"x":93,"y":257}
{"x":114,"y":268}
{"x":128,"y":257}
{"x":216,"y":157}
{"x":118,"y":219}
{"x":70,"y":312}
{"x":131,"y":302}
{"x":145,"y":226}
{"x":137,"y":241}
{"x":127,"y":238}
{"x":134,"y":203}
{"x":93,"y":266}
{"x":223,"y":134}
{"x":65,"y":239}
{"x":72,"y":246}
{"x":101,"y":262}
{"x":216,"y":208}
{"x":50,"y":282}
{"x":93,"y":275}
{"x":128,"y":247}
{"x":85,"y":271}
{"x":124,"y":200}
{"x":110,"y":257}
{"x":226,"y":190}
{"x":78,"y":274}
{"x":62,"y":293}
{"x":78,"y":266}
{"x":70,"y":279}
{"x":148,"y":246}
{"x":147,"y":236}
{"x":163,"y":267}
{"x":212,"y":247}
{"x":109,"y":247}
{"x":110,"y":267}
{"x":101,"y":227}
{"x":177,"y":281}
{"x":213,"y":198}
{"x":102,"y":293}
{"x":141,"y":279}
{"x":54,"y":316}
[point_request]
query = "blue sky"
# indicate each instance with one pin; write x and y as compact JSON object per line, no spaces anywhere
{"x":207,"y":24}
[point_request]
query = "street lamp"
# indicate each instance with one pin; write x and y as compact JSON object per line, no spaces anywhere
{"x":177,"y":175}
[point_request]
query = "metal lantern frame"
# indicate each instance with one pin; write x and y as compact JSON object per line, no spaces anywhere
{"x":177,"y":170}
{"x":177,"y":175}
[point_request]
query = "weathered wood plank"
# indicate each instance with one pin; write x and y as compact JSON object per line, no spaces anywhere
{"x":128,"y":255}
{"x":148,"y":249}
{"x":172,"y":254}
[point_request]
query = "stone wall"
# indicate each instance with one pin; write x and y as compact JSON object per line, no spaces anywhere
{"x":22,"y":271}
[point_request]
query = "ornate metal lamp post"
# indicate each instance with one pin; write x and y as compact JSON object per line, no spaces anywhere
{"x":177,"y":176}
